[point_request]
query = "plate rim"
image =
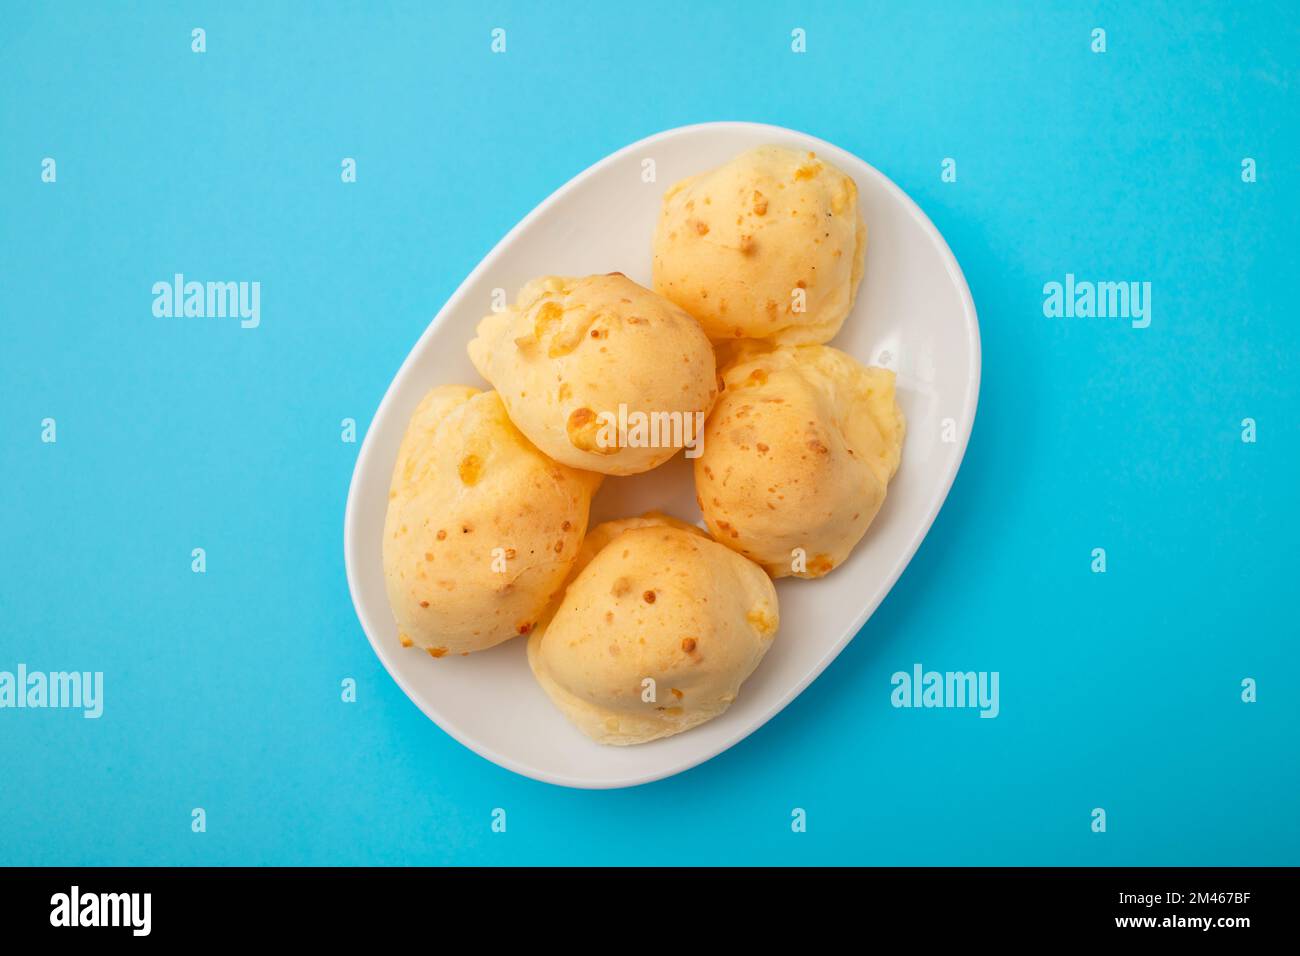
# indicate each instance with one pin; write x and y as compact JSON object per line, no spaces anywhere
{"x":970,"y":401}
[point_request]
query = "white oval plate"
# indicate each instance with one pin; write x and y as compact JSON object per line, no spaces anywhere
{"x":914,"y":314}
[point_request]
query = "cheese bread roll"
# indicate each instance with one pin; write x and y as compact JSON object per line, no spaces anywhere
{"x":797,"y":456}
{"x":656,"y":634}
{"x":599,"y":372}
{"x":767,"y":246}
{"x":482,"y":528}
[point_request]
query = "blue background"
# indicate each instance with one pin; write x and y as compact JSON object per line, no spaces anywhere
{"x":1119,"y":691}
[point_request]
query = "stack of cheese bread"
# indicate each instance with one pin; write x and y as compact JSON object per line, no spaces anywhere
{"x":647,"y":626}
